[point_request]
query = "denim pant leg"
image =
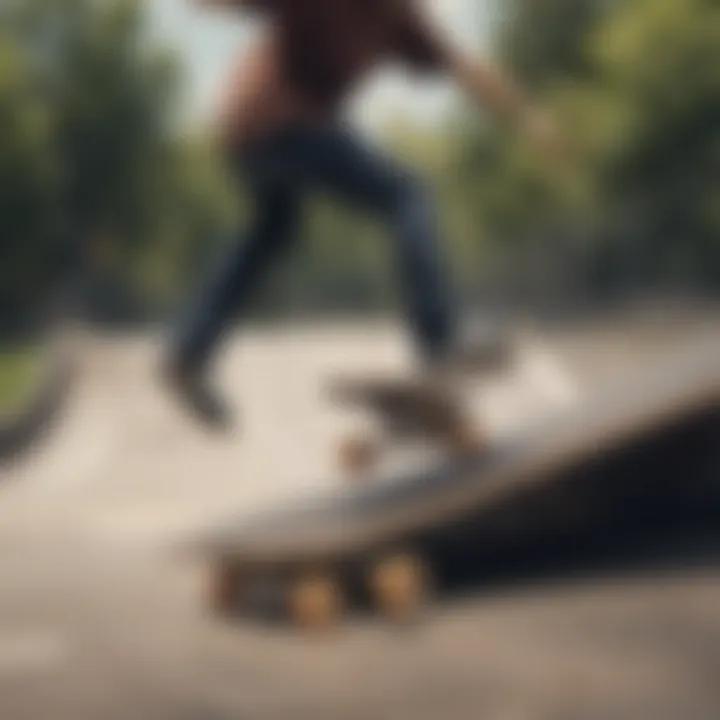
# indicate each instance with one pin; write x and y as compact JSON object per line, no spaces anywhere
{"x":334,"y":161}
{"x":239,"y":270}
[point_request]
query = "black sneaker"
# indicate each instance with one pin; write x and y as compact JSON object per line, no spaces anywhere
{"x":190,"y":387}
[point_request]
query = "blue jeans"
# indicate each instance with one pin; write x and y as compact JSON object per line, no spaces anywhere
{"x":277,"y":170}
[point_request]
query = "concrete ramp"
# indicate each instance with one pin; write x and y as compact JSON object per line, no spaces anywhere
{"x":672,"y":408}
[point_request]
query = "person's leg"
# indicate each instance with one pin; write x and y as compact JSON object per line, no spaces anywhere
{"x":334,"y":161}
{"x":240,"y":270}
{"x":231,"y":285}
{"x":426,"y":279}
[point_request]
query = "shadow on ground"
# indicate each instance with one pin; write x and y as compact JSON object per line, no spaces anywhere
{"x":648,"y":508}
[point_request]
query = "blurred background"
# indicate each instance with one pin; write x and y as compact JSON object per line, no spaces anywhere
{"x":106,"y":156}
{"x":112,"y":201}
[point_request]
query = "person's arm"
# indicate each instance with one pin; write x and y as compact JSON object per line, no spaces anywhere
{"x":423,"y":45}
{"x":488,"y":86}
{"x":235,"y":4}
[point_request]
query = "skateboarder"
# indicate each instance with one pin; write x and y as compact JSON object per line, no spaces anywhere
{"x":282,"y":133}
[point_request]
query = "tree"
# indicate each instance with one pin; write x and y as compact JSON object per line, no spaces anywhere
{"x":542,"y":40}
{"x":643,"y":125}
{"x":109,"y":178}
{"x":28,"y":178}
{"x":663,"y":157}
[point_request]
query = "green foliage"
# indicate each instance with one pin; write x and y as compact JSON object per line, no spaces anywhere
{"x":91,"y":168}
{"x":28,"y":174}
{"x":18,"y":369}
{"x":636,"y":86}
{"x":543,"y":40}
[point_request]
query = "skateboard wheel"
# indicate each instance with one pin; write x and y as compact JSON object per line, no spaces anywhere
{"x":358,"y":454}
{"x":315,"y":602}
{"x":225,"y":589}
{"x":399,"y":586}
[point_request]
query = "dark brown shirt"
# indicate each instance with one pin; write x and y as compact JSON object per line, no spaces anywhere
{"x":315,"y":52}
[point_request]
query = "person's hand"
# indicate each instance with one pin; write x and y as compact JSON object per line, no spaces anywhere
{"x":544,"y":134}
{"x":562,"y":160}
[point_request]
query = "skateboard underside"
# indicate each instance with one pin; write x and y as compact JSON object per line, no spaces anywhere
{"x":310,"y":563}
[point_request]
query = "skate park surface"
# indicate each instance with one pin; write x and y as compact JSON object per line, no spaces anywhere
{"x":98,"y":620}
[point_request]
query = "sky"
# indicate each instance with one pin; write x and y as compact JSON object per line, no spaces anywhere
{"x":209,"y":41}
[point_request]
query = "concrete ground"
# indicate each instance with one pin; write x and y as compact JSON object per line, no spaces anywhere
{"x":98,"y":620}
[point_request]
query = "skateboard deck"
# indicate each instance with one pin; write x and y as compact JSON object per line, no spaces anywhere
{"x":350,"y":527}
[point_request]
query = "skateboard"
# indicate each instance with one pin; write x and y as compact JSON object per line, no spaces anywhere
{"x":373,"y":543}
{"x":430,"y":410}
